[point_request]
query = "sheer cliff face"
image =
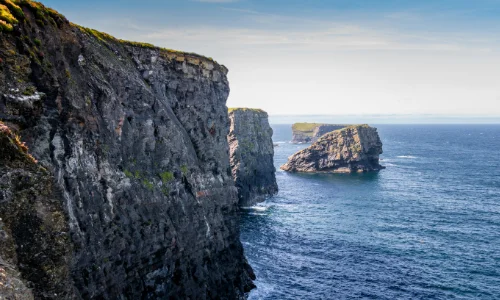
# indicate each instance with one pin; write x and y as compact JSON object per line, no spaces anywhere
{"x":135,"y":138}
{"x":311,"y":132}
{"x":34,"y":237}
{"x":252,"y":155}
{"x":349,"y":150}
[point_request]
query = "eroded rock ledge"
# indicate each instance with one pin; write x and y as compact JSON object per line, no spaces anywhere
{"x":311,"y":132}
{"x":252,"y":155}
{"x":134,"y":139}
{"x":349,"y":150}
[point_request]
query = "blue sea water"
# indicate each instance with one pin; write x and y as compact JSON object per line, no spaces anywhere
{"x":427,"y":227}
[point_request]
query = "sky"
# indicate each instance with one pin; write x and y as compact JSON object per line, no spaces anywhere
{"x":327,"y":57}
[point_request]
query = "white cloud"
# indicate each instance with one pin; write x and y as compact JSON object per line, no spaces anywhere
{"x":292,"y":65}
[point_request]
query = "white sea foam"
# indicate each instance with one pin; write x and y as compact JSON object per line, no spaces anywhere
{"x":256,"y":214}
{"x":407,"y":156}
{"x":255,"y":208}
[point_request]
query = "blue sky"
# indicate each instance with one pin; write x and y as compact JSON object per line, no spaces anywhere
{"x":327,"y":57}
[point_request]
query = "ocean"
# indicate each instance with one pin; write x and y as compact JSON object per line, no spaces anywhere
{"x":427,"y":227}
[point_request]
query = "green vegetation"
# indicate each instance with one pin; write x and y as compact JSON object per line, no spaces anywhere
{"x":7,"y":20}
{"x":136,"y":174}
{"x":11,"y":12}
{"x":258,"y":110}
{"x":13,"y":142}
{"x":184,"y":169}
{"x":149,"y":185}
{"x":305,"y":127}
{"x":29,"y":91}
{"x":350,"y":127}
{"x":105,"y":37}
{"x":166,"y":176}
{"x":14,"y":8}
{"x":37,"y":42}
{"x":42,"y":12}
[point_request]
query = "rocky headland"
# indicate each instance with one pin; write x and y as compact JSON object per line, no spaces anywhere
{"x":251,"y":155}
{"x":128,"y":193}
{"x":311,"y":132}
{"x":353,"y":149}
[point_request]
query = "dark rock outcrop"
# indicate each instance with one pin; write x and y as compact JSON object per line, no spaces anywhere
{"x":34,"y":233}
{"x":135,"y":141}
{"x":348,"y":150}
{"x":252,"y":155}
{"x":311,"y":132}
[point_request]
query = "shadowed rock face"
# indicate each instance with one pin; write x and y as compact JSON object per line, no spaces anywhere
{"x":252,"y":153}
{"x":311,"y":132}
{"x":34,"y":238}
{"x":135,"y":141}
{"x":349,"y":150}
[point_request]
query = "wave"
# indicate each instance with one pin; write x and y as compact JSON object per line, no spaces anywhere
{"x":256,"y":214}
{"x":407,"y":156}
{"x":281,"y":142}
{"x":255,"y":208}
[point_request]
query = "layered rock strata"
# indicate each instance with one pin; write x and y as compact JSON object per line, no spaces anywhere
{"x":311,"y":132}
{"x":353,"y":149}
{"x":252,"y":155}
{"x":134,"y":140}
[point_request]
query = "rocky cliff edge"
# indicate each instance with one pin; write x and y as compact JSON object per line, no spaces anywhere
{"x":134,"y":138}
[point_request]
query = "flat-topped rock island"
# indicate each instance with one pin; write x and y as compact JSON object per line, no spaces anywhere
{"x":354,"y":149}
{"x":311,"y":132}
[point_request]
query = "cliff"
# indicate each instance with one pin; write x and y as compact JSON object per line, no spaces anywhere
{"x":311,"y":132}
{"x":34,"y":237}
{"x":252,"y":155}
{"x":133,"y":138}
{"x":348,"y":150}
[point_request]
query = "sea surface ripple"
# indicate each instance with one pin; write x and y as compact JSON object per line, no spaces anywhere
{"x":427,"y":227}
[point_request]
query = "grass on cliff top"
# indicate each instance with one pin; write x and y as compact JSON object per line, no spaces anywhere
{"x":309,"y":127}
{"x":104,"y":37}
{"x":357,"y":126}
{"x":258,"y":110}
{"x":306,"y":127}
{"x":11,"y":12}
{"x":7,"y":18}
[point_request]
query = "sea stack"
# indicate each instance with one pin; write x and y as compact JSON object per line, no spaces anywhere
{"x":252,"y":155}
{"x":353,"y":149}
{"x":311,"y":132}
{"x":128,"y":194}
